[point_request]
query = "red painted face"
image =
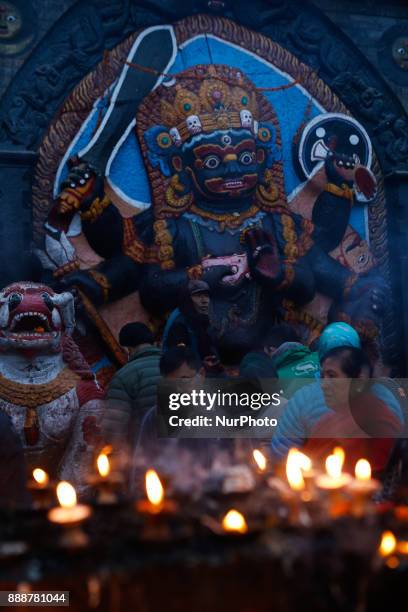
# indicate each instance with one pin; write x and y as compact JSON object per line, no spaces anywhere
{"x":30,"y":311}
{"x":30,"y":317}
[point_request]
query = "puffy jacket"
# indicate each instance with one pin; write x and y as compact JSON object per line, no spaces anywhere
{"x":290,"y":361}
{"x":304,"y":410}
{"x":294,"y":360}
{"x":293,"y":363}
{"x":132,"y":391}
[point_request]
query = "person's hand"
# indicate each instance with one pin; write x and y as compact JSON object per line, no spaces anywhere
{"x":80,"y":189}
{"x":263,"y":256}
{"x":213,"y":275}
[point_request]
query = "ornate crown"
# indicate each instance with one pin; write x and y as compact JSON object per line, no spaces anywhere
{"x":209,"y":98}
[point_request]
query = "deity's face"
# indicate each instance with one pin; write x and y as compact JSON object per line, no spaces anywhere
{"x":356,"y":253}
{"x":11,"y":20}
{"x":223,"y":165}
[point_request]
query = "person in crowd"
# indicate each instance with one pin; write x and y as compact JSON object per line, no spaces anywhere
{"x":282,"y":356}
{"x":365,"y":420}
{"x":13,"y":469}
{"x":179,"y":363}
{"x":189,"y":325}
{"x":335,"y":335}
{"x":133,"y":388}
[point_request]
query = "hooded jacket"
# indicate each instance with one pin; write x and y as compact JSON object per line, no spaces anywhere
{"x":294,"y":360}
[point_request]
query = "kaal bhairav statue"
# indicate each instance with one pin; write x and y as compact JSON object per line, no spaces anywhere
{"x":211,"y":143}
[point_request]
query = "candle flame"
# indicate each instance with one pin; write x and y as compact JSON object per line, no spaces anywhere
{"x":295,"y":462}
{"x":154,"y":488}
{"x":388,"y":544}
{"x":66,"y":494}
{"x":302,"y":460}
{"x":363,"y":470}
{"x":340,"y":454}
{"x":234,"y":521}
{"x":40,"y":476}
{"x":103,"y":465}
{"x":334,"y":464}
{"x":259,"y":459}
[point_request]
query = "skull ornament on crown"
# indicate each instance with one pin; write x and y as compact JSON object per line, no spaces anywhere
{"x":213,"y":140}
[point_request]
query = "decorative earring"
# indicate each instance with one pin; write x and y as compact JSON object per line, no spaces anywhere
{"x":173,"y":198}
{"x":268,"y":193}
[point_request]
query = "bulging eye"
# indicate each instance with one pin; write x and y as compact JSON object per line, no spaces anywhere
{"x":247,"y":158}
{"x":401,"y":51}
{"x":11,"y":18}
{"x":72,"y":184}
{"x":14,"y":300}
{"x":212,"y":162}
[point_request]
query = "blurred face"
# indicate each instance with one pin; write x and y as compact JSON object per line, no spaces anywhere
{"x":335,"y":384}
{"x":183,"y":372}
{"x":201,"y":302}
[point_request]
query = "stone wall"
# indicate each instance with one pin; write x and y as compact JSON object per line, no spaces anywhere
{"x":365,"y":22}
{"x":46,"y":13}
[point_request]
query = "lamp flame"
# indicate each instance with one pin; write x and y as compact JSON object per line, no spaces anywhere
{"x":334,"y":463}
{"x":302,"y":460}
{"x":363,"y":470}
{"x":259,"y":459}
{"x":154,"y":488}
{"x":66,"y":494}
{"x":234,"y":521}
{"x":340,"y":454}
{"x":295,"y":462}
{"x":103,"y":465}
{"x":388,"y":544}
{"x":40,"y":476}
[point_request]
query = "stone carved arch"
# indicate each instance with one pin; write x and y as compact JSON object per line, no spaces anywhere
{"x":76,"y":45}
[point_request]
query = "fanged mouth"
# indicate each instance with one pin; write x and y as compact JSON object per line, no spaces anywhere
{"x":219,"y":185}
{"x":234,"y":184}
{"x":30,"y":323}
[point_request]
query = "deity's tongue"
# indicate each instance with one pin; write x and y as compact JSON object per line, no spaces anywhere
{"x":39,"y":330}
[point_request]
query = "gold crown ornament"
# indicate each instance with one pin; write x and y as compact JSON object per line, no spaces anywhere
{"x":209,"y":98}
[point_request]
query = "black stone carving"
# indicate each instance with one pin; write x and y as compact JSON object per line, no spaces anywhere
{"x":18,"y":22}
{"x":76,"y":45}
{"x":393,"y":54}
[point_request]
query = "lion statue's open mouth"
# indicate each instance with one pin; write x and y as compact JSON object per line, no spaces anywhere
{"x":33,"y":316}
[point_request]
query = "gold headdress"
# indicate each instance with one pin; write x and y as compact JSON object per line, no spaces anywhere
{"x":202,"y":100}
{"x":210,"y":98}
